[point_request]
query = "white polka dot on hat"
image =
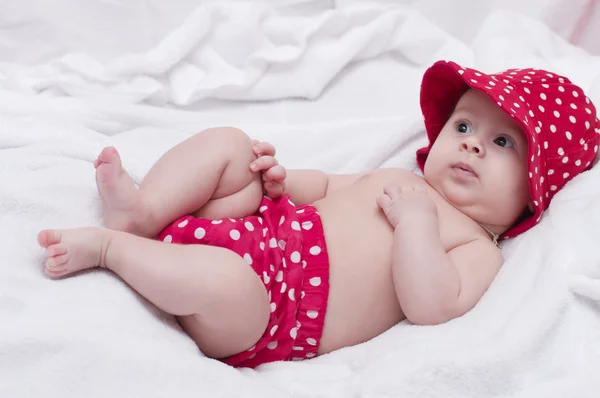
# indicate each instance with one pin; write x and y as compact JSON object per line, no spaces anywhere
{"x":558,"y":119}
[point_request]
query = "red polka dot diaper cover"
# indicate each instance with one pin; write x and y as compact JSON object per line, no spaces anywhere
{"x":285,"y":246}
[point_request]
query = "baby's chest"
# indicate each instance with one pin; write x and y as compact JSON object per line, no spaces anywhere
{"x":455,"y":228}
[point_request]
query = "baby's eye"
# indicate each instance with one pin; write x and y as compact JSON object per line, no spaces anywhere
{"x":463,"y":127}
{"x":503,"y":142}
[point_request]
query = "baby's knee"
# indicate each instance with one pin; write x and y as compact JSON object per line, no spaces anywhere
{"x":231,"y":139}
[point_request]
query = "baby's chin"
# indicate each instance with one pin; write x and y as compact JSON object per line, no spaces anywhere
{"x":468,"y":204}
{"x":457,"y":196}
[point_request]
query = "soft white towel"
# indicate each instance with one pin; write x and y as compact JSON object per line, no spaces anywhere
{"x":535,"y":332}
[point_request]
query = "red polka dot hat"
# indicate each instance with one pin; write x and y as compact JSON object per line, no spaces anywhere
{"x":559,"y":121}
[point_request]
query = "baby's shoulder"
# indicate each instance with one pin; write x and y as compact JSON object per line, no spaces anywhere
{"x":393,"y":175}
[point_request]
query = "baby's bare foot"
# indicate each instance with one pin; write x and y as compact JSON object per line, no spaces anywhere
{"x":121,"y":205}
{"x":72,"y":250}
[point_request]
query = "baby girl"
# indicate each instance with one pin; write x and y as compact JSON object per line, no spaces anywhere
{"x":262,"y":264}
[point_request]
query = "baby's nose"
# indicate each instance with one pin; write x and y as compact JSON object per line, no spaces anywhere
{"x":473,"y":146}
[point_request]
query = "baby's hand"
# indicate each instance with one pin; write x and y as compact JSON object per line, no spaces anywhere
{"x":273,"y":174}
{"x":401,"y":202}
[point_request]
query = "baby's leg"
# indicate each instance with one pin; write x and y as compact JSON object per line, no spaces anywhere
{"x":207,"y":175}
{"x":219,"y":300}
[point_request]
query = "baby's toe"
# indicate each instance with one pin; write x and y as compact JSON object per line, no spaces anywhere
{"x":56,"y":262}
{"x":53,"y":273}
{"x":48,"y":237}
{"x":110,"y":155}
{"x":57,"y":250}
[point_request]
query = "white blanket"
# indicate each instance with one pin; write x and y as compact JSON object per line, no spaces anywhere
{"x":534,"y":334}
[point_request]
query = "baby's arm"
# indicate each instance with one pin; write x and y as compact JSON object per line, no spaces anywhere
{"x":308,"y":186}
{"x":433,"y":286}
{"x":303,"y":186}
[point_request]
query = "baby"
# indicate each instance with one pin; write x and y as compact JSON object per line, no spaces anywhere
{"x":323,"y":262}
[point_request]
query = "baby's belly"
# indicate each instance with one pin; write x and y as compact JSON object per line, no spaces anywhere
{"x":362,"y":301}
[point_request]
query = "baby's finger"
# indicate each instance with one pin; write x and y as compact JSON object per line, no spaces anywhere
{"x":264,"y":149}
{"x":276,"y":173}
{"x":384,"y":202}
{"x":274,"y":190}
{"x":263,"y":163}
{"x":392,"y":190}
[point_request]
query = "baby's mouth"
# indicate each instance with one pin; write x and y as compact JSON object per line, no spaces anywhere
{"x":464,"y":169}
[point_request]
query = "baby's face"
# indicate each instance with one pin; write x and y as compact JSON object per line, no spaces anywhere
{"x":479,"y":163}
